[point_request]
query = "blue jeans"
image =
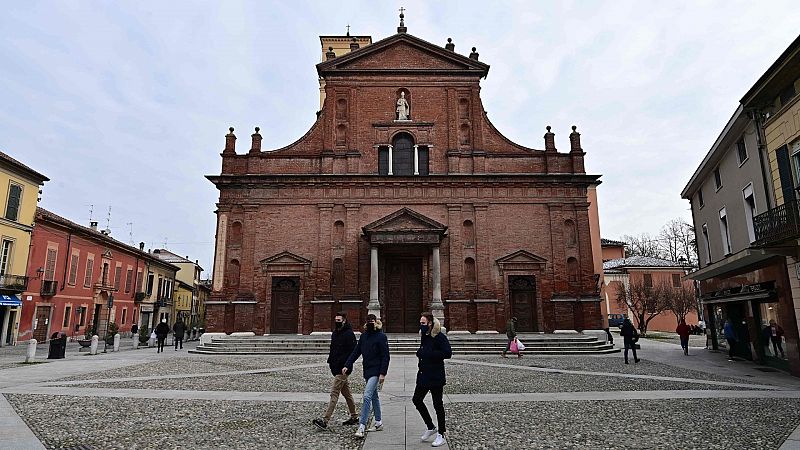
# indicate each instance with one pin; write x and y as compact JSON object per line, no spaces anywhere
{"x":370,"y":398}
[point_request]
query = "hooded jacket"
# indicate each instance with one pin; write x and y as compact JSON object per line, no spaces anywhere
{"x":374,"y":347}
{"x":434,"y":348}
{"x":162,"y":330}
{"x":343,"y":341}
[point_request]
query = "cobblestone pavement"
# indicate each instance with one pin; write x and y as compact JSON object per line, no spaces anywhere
{"x":142,"y":400}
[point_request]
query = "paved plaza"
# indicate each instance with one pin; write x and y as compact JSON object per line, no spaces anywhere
{"x":138,"y":399}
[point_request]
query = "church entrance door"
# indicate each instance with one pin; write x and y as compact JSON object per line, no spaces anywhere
{"x":285,"y":304}
{"x":403,"y":301}
{"x":523,"y":301}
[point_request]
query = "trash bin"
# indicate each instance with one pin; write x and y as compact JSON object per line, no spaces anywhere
{"x":58,"y":346}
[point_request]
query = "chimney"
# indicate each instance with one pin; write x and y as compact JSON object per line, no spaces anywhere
{"x":329,"y":55}
{"x":450,"y":46}
{"x":141,"y":246}
{"x":474,"y":54}
{"x":230,"y":143}
{"x":549,"y":141}
{"x":93,"y":225}
{"x":575,"y":141}
{"x":256,"y":148}
{"x":354,"y":45}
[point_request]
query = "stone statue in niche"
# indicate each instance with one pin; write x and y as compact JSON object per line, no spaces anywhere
{"x":403,"y":108}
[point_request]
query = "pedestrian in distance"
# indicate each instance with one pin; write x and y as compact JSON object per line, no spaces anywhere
{"x":434,"y":348}
{"x":730,"y":336}
{"x":683,"y":331}
{"x":776,"y":337}
{"x":178,"y":330}
{"x":374,"y":348}
{"x":162,"y":330}
{"x":343,"y":341}
{"x":629,"y":338}
{"x":134,"y":330}
{"x":511,"y":333}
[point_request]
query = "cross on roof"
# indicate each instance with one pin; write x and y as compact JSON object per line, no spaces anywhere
{"x":348,"y":29}
{"x":401,"y":10}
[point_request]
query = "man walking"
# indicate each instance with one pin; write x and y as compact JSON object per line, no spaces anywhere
{"x":343,"y":340}
{"x":629,"y":338}
{"x":511,"y":333}
{"x":374,"y":347}
{"x":162,"y":330}
{"x":683,"y":332}
{"x":178,"y":331}
{"x":730,"y":336}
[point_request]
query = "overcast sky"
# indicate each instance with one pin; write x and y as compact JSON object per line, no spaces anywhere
{"x":126,"y":103}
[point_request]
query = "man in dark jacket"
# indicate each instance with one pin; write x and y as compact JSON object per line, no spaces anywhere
{"x":162,"y":330}
{"x":374,"y":347}
{"x":434,"y":348}
{"x":629,"y":338}
{"x":343,"y":341}
{"x":511,"y":333}
{"x":177,"y":333}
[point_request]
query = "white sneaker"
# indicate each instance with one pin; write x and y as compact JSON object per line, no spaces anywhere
{"x":377,"y":427}
{"x":439,"y":441}
{"x":428,"y":434}
{"x":360,"y":431}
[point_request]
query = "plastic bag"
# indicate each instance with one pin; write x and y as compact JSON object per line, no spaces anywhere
{"x":514,"y":346}
{"x":520,"y":345}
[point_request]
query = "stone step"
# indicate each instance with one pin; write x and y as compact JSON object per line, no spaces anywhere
{"x":398,"y":346}
{"x":566,"y":351}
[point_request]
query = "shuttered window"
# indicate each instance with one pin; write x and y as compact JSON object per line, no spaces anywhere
{"x":129,"y":280}
{"x":50,"y":265}
{"x":87,"y":279}
{"x":14,"y":198}
{"x":117,"y":277}
{"x":73,"y":269}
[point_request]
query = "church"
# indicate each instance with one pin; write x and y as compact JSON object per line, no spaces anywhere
{"x":402,"y":198}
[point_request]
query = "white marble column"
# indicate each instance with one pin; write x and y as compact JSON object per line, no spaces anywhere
{"x":4,"y":326}
{"x":390,"y":160}
{"x":374,"y":306}
{"x":437,"y":307}
{"x":416,"y":159}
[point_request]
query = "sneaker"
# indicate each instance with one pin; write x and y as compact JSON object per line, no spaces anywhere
{"x":377,"y":427}
{"x":351,"y":421}
{"x":360,"y":431}
{"x":319,"y":423}
{"x":636,"y":360}
{"x":428,"y":434}
{"x":439,"y":441}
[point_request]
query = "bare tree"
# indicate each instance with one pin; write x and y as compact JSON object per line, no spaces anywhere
{"x":681,"y":301}
{"x":644,"y":302}
{"x":642,"y":245}
{"x":676,"y":242}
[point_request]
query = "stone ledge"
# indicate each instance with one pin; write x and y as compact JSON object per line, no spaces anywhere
{"x":486,"y":300}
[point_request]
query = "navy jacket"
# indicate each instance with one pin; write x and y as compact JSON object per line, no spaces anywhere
{"x":433,"y":350}
{"x":342,"y":343}
{"x":374,"y":347}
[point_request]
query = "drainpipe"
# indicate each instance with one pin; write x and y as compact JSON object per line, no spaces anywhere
{"x":758,"y":119}
{"x":66,"y":261}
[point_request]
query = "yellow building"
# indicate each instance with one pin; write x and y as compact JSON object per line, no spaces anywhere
{"x":19,"y":195}
{"x":187,"y":301}
{"x":155,"y":292}
{"x":333,"y":46}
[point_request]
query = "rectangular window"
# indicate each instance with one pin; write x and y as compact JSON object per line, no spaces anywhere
{"x":14,"y":200}
{"x":67,"y":312}
{"x":723,"y":228}
{"x":82,"y":317}
{"x":124,"y":315}
{"x":5,"y":256}
{"x":700,"y":197}
{"x":741,"y":151}
{"x":149,"y":283}
{"x":139,"y":281}
{"x":383,"y":160}
{"x":707,"y":243}
{"x":117,"y":277}
{"x":749,"y":210}
{"x":128,"y":280}
{"x":73,"y":269}
{"x":50,"y":265}
{"x":676,"y":280}
{"x":87,"y":279}
{"x":159,"y":289}
{"x":717,"y":179}
{"x":648,"y":280}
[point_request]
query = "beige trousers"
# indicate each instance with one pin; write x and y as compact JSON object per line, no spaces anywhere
{"x":340,"y":385}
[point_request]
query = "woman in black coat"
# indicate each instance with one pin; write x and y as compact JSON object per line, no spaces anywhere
{"x":434,"y":348}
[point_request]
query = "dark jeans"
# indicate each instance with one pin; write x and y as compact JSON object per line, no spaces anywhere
{"x":685,"y":343}
{"x":419,"y":401}
{"x":161,"y":344}
{"x":731,"y":345}
{"x":178,"y":340}
{"x":777,"y":345}
{"x":630,"y":345}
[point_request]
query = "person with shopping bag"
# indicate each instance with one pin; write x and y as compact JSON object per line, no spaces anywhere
{"x":517,"y":347}
{"x":511,"y":334}
{"x":434,"y":348}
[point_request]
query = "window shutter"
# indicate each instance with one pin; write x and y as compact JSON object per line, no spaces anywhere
{"x":50,"y":265}
{"x":117,"y":277}
{"x":12,"y":207}
{"x":73,"y":270}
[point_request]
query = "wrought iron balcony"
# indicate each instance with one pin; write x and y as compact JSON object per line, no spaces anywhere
{"x":48,"y":288}
{"x":777,"y":225}
{"x":16,"y":283}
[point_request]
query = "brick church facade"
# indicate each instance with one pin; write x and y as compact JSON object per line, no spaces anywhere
{"x":401,"y":198}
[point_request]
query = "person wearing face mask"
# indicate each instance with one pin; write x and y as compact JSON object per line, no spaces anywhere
{"x":343,"y":340}
{"x":434,"y":348}
{"x":374,"y":347}
{"x":162,"y":331}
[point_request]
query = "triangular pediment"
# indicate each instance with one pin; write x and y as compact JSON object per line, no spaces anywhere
{"x":285,"y":257}
{"x":405,"y":220}
{"x":521,"y":257}
{"x":402,"y":53}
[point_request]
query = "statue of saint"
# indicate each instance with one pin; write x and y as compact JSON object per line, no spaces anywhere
{"x":403,"y":108}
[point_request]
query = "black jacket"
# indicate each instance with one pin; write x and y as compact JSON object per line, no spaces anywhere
{"x":179,"y":328}
{"x":374,"y":346}
{"x":162,"y":330}
{"x":628,"y":332}
{"x":433,"y":350}
{"x":342,"y":343}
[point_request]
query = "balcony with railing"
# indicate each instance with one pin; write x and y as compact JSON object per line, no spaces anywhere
{"x":14,"y":283}
{"x":777,"y":225}
{"x":48,"y":288}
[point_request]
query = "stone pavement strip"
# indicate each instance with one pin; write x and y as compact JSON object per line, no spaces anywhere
{"x":15,"y":433}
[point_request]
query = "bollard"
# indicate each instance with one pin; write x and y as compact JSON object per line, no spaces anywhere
{"x":135,"y":342}
{"x":117,"y":338}
{"x":31,"y":353}
{"x":93,"y":348}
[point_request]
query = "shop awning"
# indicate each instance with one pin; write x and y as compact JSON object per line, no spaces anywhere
{"x":10,"y":300}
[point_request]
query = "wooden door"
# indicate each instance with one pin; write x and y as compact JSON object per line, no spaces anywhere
{"x":403,"y":295}
{"x":285,"y":304}
{"x":523,"y":302}
{"x":42,"y":320}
